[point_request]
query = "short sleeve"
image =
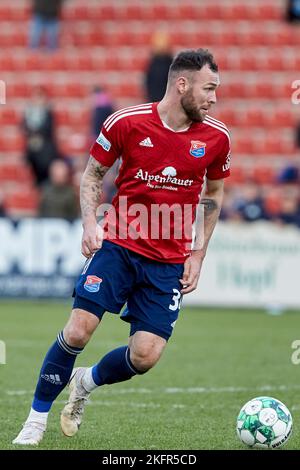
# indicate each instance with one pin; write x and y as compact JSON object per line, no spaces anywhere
{"x":108,"y":146}
{"x":220,"y":167}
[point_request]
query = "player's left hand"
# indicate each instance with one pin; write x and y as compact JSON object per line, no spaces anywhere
{"x":192,"y":269}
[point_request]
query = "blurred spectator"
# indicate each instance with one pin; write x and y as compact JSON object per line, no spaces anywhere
{"x":45,"y":22}
{"x":38,"y":128}
{"x":272,"y":201}
{"x":297,"y":135}
{"x":102,"y":107}
{"x":156,"y":74}
{"x":58,"y":196}
{"x":250,"y":205}
{"x":2,"y":209}
{"x":289,"y":174}
{"x":109,"y":187}
{"x":293,"y":10}
{"x":228,"y":210}
{"x":290,"y":211}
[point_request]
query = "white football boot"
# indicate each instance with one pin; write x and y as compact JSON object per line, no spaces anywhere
{"x":31,"y":434}
{"x":71,"y":415}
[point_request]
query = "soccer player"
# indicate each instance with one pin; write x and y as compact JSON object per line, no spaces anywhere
{"x":145,"y":261}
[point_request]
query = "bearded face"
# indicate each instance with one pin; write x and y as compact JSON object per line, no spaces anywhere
{"x":191,"y":108}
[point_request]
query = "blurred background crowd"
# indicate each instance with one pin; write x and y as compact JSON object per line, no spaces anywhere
{"x":68,"y":64}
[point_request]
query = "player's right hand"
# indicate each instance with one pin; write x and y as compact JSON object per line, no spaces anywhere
{"x":92,"y":239}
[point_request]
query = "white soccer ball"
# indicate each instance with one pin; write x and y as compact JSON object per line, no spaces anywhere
{"x":264,"y":422}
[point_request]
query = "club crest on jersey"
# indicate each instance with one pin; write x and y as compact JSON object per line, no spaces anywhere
{"x":92,"y":283}
{"x":197,"y":149}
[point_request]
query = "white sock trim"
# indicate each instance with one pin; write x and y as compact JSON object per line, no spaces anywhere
{"x":87,"y":380}
{"x":37,"y":417}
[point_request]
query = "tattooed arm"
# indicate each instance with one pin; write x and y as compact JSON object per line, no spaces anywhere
{"x":211,"y":202}
{"x":90,"y":192}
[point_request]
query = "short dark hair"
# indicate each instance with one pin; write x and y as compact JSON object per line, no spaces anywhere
{"x":193,"y":60}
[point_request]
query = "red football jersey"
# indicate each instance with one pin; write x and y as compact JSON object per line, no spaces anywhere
{"x":160,"y":178}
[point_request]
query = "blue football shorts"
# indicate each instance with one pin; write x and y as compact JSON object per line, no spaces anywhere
{"x":116,"y":276}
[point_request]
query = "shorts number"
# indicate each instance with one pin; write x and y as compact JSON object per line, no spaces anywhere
{"x":176,"y":299}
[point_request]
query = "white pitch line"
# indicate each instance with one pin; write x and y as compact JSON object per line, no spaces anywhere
{"x":175,"y":390}
{"x":127,"y":404}
{"x":177,"y":406}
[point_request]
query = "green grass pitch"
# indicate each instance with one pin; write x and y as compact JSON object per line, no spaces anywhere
{"x":215,"y":362}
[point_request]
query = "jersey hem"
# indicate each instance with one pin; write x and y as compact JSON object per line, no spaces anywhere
{"x":178,"y":260}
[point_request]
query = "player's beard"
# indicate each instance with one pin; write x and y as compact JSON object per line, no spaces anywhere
{"x":190,"y":108}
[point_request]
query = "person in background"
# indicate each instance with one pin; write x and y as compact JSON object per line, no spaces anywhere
{"x":290,"y":211}
{"x":297,"y":135}
{"x":290,"y":174}
{"x":250,"y":205}
{"x":38,"y":127}
{"x":293,"y":10}
{"x":2,"y":208}
{"x":58,"y":196}
{"x":102,"y":107}
{"x":156,"y":74}
{"x":45,"y":22}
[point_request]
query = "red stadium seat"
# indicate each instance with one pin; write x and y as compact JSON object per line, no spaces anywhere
{"x":58,"y":62}
{"x":229,"y":37}
{"x":254,"y":117}
{"x":255,"y":37}
{"x":75,"y":145}
{"x":75,"y":12}
{"x":105,"y":12}
{"x":17,"y":172}
{"x":272,"y":202}
{"x":62,"y":117}
{"x":79,"y":118}
{"x":136,"y":11}
{"x":21,"y":202}
{"x":264,"y":175}
{"x":265,"y":89}
{"x":274,"y":61}
{"x":189,"y":11}
{"x":8,"y":63}
{"x":275,"y":144}
{"x":285,"y":36}
{"x":280,"y":118}
{"x":239,"y":11}
{"x":12,"y":144}
{"x":228,"y":116}
{"x":237,"y":175}
{"x":11,"y":12}
{"x":34,"y":62}
{"x":11,"y":40}
{"x":235,"y":90}
{"x":212,"y":11}
{"x":159,"y":12}
{"x":67,"y":90}
{"x":248,"y":62}
{"x":243,"y":144}
{"x":19,"y":90}
{"x":9,"y":116}
{"x":269,"y":11}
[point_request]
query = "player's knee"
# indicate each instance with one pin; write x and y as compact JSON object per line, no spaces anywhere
{"x":76,"y":336}
{"x":144,"y":358}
